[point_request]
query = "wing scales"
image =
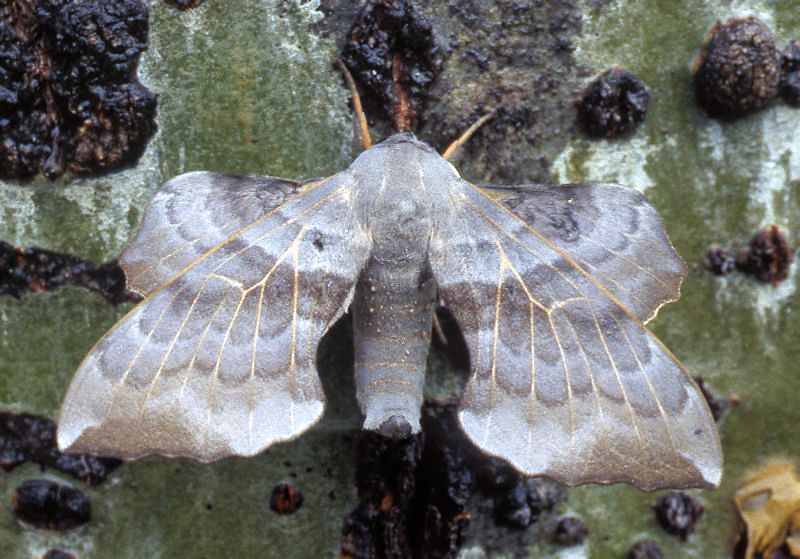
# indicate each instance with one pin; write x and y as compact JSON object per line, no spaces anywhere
{"x":190,"y":215}
{"x":612,"y":232}
{"x":565,"y":381}
{"x":220,"y":360}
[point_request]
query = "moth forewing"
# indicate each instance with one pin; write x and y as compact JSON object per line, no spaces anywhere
{"x":191,"y":214}
{"x":566,"y":381}
{"x":220,"y":359}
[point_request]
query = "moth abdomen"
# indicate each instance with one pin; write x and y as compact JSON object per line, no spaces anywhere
{"x":392,"y":316}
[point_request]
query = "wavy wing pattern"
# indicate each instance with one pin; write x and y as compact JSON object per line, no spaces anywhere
{"x":566,"y":381}
{"x":220,"y":359}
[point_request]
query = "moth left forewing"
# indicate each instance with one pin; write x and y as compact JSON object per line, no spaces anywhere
{"x":566,"y":382}
{"x":220,"y":360}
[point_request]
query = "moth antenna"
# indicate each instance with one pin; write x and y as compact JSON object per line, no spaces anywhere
{"x":468,"y":133}
{"x":360,"y":127}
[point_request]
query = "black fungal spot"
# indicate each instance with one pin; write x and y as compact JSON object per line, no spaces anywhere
{"x":50,"y":505}
{"x":32,"y":438}
{"x":678,"y":512}
{"x":613,"y":104}
{"x":285,"y":499}
{"x":392,"y":52}
{"x":69,"y":96}
{"x":739,"y":68}
{"x":645,"y":549}
{"x":569,"y":531}
{"x":719,"y":261}
{"x":38,"y":270}
{"x":512,"y":508}
{"x":385,"y":479}
{"x":790,"y":79}
{"x":768,"y":257}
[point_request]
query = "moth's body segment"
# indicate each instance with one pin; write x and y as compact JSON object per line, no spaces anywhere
{"x":550,"y":285}
{"x":396,"y":200}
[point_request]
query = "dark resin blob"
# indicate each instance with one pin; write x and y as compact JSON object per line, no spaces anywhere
{"x":391,"y":50}
{"x":739,"y":68}
{"x":285,"y":499}
{"x":26,"y":437}
{"x":69,"y":96}
{"x":613,"y":104}
{"x":768,"y":257}
{"x":678,"y":512}
{"x":50,"y":505}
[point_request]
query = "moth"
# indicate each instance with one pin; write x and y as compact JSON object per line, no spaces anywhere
{"x":551,"y":287}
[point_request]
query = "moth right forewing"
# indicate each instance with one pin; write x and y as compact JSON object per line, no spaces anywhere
{"x":190,"y":215}
{"x":221,"y":359}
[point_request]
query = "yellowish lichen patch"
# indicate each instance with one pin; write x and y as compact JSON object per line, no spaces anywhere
{"x":769,"y":504}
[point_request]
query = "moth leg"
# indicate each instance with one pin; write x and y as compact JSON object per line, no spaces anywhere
{"x":360,"y":126}
{"x":461,"y":140}
{"x":438,"y":330}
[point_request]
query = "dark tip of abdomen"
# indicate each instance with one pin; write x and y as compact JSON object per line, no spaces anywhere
{"x":396,"y":427}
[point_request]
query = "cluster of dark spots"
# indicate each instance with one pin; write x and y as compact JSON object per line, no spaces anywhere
{"x":392,"y":52}
{"x":717,"y":405}
{"x":645,"y":549}
{"x":32,"y":438}
{"x":414,"y":493}
{"x":69,"y":96}
{"x":613,"y":104}
{"x":677,"y":513}
{"x":58,"y":554}
{"x":38,"y":270}
{"x":740,"y":69}
{"x":512,"y":511}
{"x":569,"y":531}
{"x":720,"y":261}
{"x":285,"y":499}
{"x":768,"y":257}
{"x":790,"y":80}
{"x":51,"y":505}
{"x":519,"y":501}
